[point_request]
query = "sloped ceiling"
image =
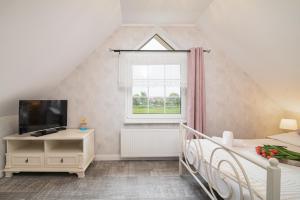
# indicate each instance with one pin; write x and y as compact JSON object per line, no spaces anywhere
{"x":262,"y":37}
{"x":43,"y":41}
{"x":162,"y":11}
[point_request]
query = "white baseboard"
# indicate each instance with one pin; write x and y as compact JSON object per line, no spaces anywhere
{"x":100,"y":157}
{"x":104,"y":157}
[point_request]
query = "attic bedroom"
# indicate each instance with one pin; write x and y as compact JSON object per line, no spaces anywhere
{"x":140,"y":100}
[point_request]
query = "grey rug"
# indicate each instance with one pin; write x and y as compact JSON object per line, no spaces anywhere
{"x":115,"y":180}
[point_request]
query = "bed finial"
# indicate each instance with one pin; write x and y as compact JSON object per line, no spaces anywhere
{"x":273,"y":162}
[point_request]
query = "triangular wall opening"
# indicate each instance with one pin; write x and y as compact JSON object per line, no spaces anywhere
{"x":156,"y":43}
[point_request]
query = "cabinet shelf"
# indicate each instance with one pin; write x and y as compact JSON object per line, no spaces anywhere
{"x":28,"y":149}
{"x":60,"y":146}
{"x":24,"y":146}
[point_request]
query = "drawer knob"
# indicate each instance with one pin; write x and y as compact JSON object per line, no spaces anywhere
{"x":62,"y":160}
{"x":26,"y":161}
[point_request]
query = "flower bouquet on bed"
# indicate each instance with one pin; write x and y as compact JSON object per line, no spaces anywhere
{"x":280,"y":152}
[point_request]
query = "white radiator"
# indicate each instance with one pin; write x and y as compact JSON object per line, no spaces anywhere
{"x":149,"y":143}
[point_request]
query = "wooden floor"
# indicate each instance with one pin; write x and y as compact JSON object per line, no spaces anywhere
{"x":115,"y":180}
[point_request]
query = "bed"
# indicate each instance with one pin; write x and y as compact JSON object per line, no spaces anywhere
{"x":238,"y":172}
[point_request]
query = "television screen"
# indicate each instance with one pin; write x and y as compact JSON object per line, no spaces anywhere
{"x":35,"y":115}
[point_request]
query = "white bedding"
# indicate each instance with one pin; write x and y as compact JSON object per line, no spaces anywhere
{"x":290,"y":175}
{"x":292,"y":138}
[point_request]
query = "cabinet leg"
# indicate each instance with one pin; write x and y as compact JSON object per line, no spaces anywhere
{"x":8,"y":174}
{"x":80,"y":174}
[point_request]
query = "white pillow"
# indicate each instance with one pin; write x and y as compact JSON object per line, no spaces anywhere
{"x":289,"y":138}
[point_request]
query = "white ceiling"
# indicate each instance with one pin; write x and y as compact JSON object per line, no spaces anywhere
{"x":43,"y":41}
{"x":162,"y":11}
{"x":263,"y":37}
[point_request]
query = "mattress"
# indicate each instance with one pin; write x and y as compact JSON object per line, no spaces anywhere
{"x":290,"y":175}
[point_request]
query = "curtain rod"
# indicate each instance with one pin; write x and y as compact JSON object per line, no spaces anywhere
{"x":131,"y":50}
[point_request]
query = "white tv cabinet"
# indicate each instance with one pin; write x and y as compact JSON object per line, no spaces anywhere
{"x":69,"y":150}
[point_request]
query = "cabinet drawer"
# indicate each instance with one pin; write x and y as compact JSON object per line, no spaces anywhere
{"x":26,"y":161}
{"x":61,"y":161}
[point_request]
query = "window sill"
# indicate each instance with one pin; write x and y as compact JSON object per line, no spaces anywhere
{"x":153,"y":121}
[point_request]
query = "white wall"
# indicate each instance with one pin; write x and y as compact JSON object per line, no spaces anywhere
{"x":234,"y":101}
{"x":43,"y":41}
{"x":162,"y":12}
{"x":263,"y":38}
{"x":8,"y":125}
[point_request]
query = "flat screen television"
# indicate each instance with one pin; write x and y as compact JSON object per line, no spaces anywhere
{"x":38,"y":115}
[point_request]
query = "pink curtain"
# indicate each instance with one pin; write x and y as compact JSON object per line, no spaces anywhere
{"x":196,"y":90}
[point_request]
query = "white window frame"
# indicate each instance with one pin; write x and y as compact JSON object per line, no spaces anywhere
{"x":156,"y":118}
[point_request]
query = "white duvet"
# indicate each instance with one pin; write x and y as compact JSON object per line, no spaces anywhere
{"x":290,"y":175}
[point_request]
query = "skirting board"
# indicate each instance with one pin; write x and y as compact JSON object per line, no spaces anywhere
{"x":100,"y":157}
{"x":104,"y":157}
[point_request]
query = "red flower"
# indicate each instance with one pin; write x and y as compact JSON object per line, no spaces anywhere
{"x":258,"y":150}
{"x":274,"y":151}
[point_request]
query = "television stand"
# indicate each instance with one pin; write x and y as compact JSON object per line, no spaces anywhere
{"x":70,"y":150}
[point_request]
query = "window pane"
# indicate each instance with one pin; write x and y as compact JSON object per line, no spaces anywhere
{"x":153,"y":44}
{"x":172,"y":83}
{"x":173,"y":92}
{"x":156,"y":91}
{"x":156,"y":105}
{"x":156,"y":100}
{"x":156,"y":83}
{"x":139,"y":100}
{"x":173,"y":106}
{"x":140,"y":83}
{"x":173,"y":72}
{"x":156,"y":72}
{"x":140,"y":105}
{"x":140,"y":91}
{"x":173,"y":103}
{"x":139,"y":71}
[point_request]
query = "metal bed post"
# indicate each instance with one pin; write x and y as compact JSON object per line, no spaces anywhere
{"x":273,"y":180}
{"x":181,"y":150}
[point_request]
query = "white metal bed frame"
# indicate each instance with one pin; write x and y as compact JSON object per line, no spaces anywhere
{"x":190,"y":136}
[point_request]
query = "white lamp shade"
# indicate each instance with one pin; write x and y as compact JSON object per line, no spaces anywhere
{"x":288,"y":124}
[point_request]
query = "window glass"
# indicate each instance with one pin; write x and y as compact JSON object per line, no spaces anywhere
{"x":157,"y":93}
{"x":173,"y":100}
{"x":139,"y":100}
{"x":173,"y":72}
{"x":139,"y":72}
{"x":156,"y":71}
{"x":156,"y":43}
{"x":153,"y":44}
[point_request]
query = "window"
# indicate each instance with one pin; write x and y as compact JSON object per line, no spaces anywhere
{"x":154,"y":91}
{"x":154,"y":83}
{"x":156,"y":43}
